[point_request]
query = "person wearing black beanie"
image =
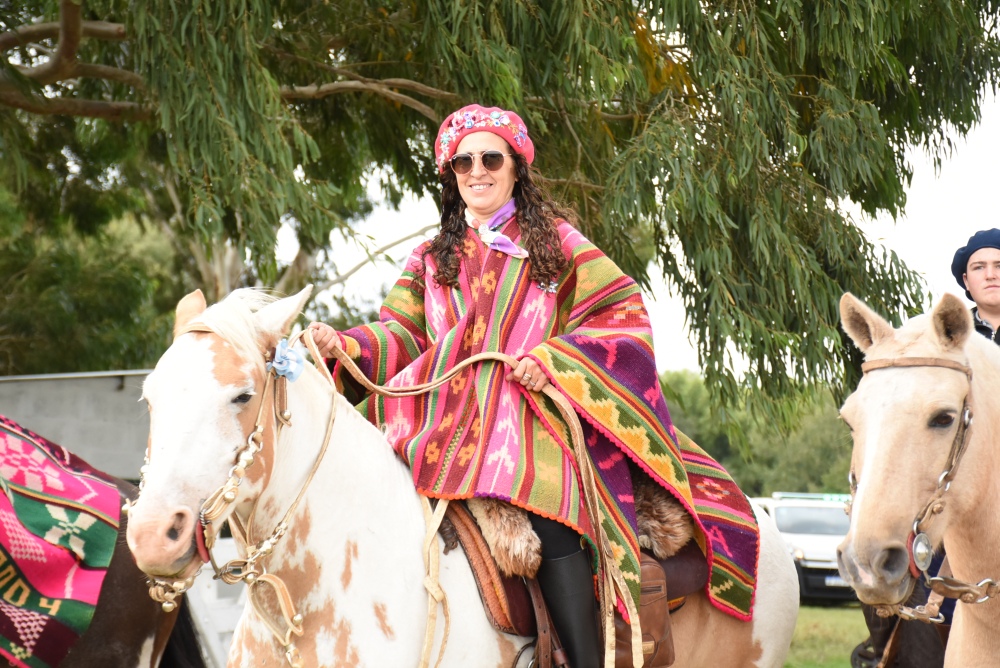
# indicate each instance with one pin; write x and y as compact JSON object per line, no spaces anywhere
{"x":976,"y":268}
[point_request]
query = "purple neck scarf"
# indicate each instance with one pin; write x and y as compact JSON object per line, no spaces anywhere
{"x":491,"y":237}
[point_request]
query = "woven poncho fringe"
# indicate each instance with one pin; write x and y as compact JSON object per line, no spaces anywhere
{"x":482,"y":436}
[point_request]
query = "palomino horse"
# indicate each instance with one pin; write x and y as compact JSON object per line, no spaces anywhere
{"x":127,"y":629}
{"x":349,"y":547}
{"x":924,"y":474}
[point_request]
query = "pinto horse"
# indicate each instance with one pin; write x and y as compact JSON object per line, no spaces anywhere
{"x":923,"y":473}
{"x":126,"y":629}
{"x":344,"y":554}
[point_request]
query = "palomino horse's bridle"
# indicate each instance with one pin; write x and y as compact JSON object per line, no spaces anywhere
{"x":919,"y":545}
{"x":252,"y":571}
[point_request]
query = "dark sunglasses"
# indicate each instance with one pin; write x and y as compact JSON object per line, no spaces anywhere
{"x":462,"y":163}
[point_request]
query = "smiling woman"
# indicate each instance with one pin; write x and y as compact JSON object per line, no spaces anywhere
{"x":489,"y":183}
{"x":509,"y":273}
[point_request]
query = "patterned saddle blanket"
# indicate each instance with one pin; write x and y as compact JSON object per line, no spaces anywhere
{"x":59,"y":522}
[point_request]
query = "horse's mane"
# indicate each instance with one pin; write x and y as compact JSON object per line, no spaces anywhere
{"x":984,"y":358}
{"x":233,"y":320}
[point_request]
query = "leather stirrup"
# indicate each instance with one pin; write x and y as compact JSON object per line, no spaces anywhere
{"x":549,"y":652}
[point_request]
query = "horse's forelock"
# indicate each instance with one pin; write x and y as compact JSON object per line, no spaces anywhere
{"x":915,"y":338}
{"x":902,"y":341}
{"x":233,"y":320}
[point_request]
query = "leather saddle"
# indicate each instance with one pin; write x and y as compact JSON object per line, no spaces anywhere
{"x":516,"y":607}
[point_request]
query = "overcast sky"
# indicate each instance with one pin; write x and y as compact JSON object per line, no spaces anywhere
{"x":943,"y":210}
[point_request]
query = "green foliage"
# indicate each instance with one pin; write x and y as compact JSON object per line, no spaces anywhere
{"x":232,"y":141}
{"x":815,"y":457}
{"x":82,"y":303}
{"x":723,"y":135}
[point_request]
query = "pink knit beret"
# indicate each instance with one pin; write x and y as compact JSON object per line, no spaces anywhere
{"x":475,"y":118}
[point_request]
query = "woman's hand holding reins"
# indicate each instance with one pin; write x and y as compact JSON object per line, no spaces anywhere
{"x":326,"y":338}
{"x":529,"y":374}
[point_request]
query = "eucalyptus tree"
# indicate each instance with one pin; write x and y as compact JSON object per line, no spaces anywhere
{"x":717,"y":138}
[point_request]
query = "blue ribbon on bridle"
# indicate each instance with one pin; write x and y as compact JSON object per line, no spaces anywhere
{"x":287,"y":362}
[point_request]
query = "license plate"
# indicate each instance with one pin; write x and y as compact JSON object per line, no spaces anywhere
{"x":835,"y":581}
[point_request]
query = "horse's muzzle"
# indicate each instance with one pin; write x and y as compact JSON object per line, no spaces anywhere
{"x":164,"y":545}
{"x":879,"y":573}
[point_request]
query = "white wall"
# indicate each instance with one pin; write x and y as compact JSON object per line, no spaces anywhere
{"x":96,"y":416}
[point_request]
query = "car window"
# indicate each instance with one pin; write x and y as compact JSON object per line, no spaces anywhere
{"x":830,"y":521}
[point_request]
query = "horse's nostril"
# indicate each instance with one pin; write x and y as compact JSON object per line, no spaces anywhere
{"x":178,"y":526}
{"x":894,"y":562}
{"x":846,"y":567}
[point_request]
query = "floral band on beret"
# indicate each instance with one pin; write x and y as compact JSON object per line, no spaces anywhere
{"x":475,"y":118}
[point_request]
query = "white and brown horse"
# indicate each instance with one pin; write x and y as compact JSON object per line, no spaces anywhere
{"x":351,"y":556}
{"x":926,"y":475}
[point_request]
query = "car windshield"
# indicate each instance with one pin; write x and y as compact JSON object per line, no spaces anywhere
{"x":831,"y":521}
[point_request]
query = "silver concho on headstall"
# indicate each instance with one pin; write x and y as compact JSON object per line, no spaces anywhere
{"x":922,"y":552}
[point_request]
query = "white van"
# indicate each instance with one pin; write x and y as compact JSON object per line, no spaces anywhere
{"x":813,"y":525}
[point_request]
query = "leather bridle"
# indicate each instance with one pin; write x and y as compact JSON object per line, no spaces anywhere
{"x":251,"y":570}
{"x":919,"y":545}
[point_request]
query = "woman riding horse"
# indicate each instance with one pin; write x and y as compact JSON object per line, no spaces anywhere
{"x":508,"y":272}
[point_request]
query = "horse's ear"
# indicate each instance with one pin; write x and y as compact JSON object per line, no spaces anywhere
{"x":952,"y":321}
{"x":278,"y":316}
{"x":188,"y":308}
{"x":863,"y":325}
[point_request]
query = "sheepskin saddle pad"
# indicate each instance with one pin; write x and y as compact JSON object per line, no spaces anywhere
{"x":664,"y":528}
{"x":502,"y":548}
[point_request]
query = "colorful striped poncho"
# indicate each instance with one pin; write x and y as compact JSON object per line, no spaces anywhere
{"x":482,"y":436}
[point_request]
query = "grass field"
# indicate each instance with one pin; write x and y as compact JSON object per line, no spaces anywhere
{"x":825,"y":636}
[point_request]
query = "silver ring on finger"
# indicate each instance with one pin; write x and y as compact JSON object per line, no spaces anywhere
{"x":526,"y":376}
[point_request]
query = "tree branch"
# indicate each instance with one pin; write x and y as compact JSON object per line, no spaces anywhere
{"x":584,"y":103}
{"x":586,"y":185}
{"x":405,"y":84}
{"x":423,"y":89}
{"x":316,"y":92}
{"x":62,"y":62}
{"x":341,"y":278}
{"x":24,"y":35}
{"x":112,"y":111}
{"x":292,"y":278}
{"x":109,"y":73}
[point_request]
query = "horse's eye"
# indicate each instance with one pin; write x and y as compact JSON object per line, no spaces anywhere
{"x":942,"y":420}
{"x":243,"y":398}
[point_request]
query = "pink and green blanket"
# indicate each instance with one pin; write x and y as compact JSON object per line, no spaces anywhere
{"x":483,"y":436}
{"x":58,"y":526}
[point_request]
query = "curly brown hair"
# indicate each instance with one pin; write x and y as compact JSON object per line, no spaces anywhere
{"x":536,"y":214}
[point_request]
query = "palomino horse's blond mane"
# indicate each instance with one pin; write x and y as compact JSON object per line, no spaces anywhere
{"x":925,"y":477}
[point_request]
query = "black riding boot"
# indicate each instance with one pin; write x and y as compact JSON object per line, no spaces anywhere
{"x":568,"y":587}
